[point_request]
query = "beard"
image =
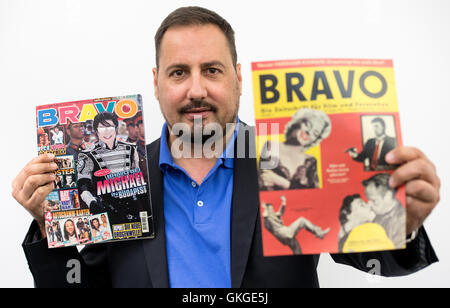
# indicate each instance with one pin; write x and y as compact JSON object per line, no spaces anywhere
{"x":201,"y":132}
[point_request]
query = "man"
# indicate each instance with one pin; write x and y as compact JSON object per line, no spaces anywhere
{"x":57,"y":136}
{"x":114,"y":155}
{"x":286,"y":234}
{"x":375,"y":149}
{"x":70,"y":183}
{"x":76,"y":143}
{"x":133,"y":132}
{"x":140,"y":142}
{"x":389,"y":211}
{"x":206,"y":210}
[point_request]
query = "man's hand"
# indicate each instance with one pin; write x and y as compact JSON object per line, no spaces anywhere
{"x":352,"y":152}
{"x":33,"y":184}
{"x":419,"y":175}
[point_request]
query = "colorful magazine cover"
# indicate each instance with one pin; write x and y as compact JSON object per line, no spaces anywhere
{"x":102,"y":190}
{"x":324,"y":127}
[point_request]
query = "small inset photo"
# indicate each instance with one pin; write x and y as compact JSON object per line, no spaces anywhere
{"x":70,"y":236}
{"x":70,"y":181}
{"x":69,"y":199}
{"x":53,"y":201}
{"x":379,"y":137}
{"x":101,"y":230}
{"x":43,"y":137}
{"x":57,"y":135}
{"x":65,"y":162}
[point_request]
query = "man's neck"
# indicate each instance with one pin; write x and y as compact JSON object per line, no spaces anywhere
{"x":381,"y":137}
{"x":76,"y":142}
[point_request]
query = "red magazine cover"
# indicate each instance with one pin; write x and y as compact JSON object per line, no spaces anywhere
{"x":324,"y":127}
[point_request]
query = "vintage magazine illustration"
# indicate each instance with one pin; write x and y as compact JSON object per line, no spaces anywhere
{"x":324,"y":127}
{"x":102,"y":190}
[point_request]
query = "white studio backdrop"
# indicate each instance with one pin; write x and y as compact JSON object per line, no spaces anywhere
{"x":65,"y":50}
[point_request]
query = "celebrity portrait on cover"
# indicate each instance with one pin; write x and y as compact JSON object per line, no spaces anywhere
{"x":114,"y":156}
{"x":294,"y":169}
{"x":379,"y":138}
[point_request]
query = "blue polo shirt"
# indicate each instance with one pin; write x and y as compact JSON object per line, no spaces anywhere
{"x":198,"y":221}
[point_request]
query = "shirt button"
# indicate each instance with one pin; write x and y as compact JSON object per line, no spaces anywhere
{"x":193,"y":184}
{"x":200,"y":204}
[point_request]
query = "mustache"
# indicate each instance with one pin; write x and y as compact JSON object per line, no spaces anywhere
{"x":197,"y":104}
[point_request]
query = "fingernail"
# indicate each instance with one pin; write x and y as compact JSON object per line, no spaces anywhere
{"x":390,"y":157}
{"x":392,"y":182}
{"x":54,"y":166}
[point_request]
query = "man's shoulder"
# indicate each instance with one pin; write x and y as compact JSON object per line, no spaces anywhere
{"x":390,"y":140}
{"x":153,"y":147}
{"x":124,"y":143}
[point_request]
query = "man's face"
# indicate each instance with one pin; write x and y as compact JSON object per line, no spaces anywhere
{"x":106,"y":133}
{"x":196,"y":77}
{"x":76,"y":131}
{"x":378,"y":199}
{"x":132,"y":131}
{"x":378,"y":129}
{"x":141,"y":130}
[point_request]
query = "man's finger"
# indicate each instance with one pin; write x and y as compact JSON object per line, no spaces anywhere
{"x":41,"y":164}
{"x":39,"y":196}
{"x":402,"y":155}
{"x":35,"y":181}
{"x":416,"y":169}
{"x":422,"y":191}
{"x":417,"y":212}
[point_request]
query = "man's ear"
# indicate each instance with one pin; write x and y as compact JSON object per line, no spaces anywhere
{"x":155,"y":82}
{"x":239,"y":76}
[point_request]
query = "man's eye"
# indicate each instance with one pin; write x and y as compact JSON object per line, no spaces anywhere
{"x":213,"y":71}
{"x":178,"y":73}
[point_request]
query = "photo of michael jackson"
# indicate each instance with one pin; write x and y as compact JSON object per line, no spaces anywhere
{"x":108,"y":157}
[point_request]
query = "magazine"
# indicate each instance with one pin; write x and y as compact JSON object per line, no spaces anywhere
{"x":324,"y":127}
{"x":102,"y":190}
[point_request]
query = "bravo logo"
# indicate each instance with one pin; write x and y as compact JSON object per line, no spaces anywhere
{"x":124,"y":109}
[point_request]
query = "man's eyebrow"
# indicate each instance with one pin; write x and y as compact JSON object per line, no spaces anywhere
{"x":185,"y":67}
{"x":177,"y":66}
{"x":213,"y":63}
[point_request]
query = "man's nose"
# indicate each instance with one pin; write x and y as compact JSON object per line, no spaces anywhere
{"x":197,"y":88}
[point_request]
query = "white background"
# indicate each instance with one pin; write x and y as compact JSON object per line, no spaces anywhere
{"x":64,"y":50}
